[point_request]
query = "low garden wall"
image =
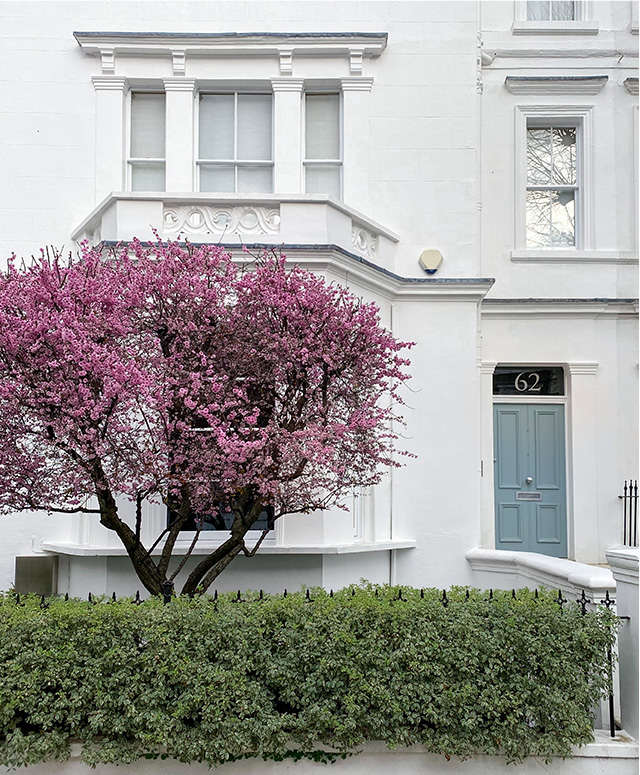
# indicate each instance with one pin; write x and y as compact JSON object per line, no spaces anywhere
{"x":494,"y":676}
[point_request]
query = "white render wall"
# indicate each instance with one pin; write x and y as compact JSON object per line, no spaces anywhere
{"x":602,"y":757}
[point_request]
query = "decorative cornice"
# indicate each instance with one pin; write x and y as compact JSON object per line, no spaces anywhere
{"x":110,"y":83}
{"x":631,"y":85}
{"x":574,"y":308}
{"x":542,"y":53}
{"x":358,"y":83}
{"x":555,"y":84}
{"x":367,"y":44}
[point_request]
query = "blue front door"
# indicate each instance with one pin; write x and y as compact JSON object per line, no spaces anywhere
{"x":529,"y":475}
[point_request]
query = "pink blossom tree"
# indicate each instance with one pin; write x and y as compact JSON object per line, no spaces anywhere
{"x":168,"y":372}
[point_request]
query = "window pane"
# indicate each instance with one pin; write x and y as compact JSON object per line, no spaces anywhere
{"x":254,"y":126}
{"x":539,"y":156}
{"x":562,"y":10}
{"x":323,"y":179}
{"x":218,"y":179}
{"x":216,"y":126}
{"x":538,"y":11}
{"x":564,"y":155}
{"x":550,"y":219}
{"x":147,"y":126}
{"x":322,"y":126}
{"x":554,"y":10}
{"x":254,"y":180}
{"x":562,"y":218}
{"x":538,"y":219}
{"x":147,"y":177}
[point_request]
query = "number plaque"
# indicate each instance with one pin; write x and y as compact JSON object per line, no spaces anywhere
{"x":529,"y":381}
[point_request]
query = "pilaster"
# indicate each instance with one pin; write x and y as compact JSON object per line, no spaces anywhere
{"x":111,"y":96}
{"x":179,"y":123}
{"x":356,"y":97}
{"x":583,"y":463}
{"x":287,"y":146}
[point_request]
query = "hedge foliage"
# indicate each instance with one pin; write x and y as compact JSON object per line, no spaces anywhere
{"x":208,"y":681}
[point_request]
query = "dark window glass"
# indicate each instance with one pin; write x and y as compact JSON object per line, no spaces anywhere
{"x":222,"y":520}
{"x":528,"y":381}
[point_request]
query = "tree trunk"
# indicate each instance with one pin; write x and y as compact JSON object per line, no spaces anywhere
{"x":143,"y":565}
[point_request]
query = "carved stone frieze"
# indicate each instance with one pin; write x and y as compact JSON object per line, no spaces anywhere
{"x":205,"y":219}
{"x":364,"y":242}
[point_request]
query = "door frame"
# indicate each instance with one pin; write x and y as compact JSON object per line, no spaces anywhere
{"x":488,"y":400}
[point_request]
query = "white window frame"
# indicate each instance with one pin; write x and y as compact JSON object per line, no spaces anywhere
{"x":583,"y":24}
{"x":306,"y":162}
{"x":236,"y":163}
{"x":561,"y":115}
{"x":132,"y":160}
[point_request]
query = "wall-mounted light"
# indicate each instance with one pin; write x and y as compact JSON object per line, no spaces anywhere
{"x":430,"y":260}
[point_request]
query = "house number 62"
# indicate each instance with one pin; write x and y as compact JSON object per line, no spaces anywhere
{"x":530,"y":384}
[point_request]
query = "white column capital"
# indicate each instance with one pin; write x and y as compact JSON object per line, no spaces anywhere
{"x":180,"y":83}
{"x":356,"y":83}
{"x":110,"y":83}
{"x":287,"y":84}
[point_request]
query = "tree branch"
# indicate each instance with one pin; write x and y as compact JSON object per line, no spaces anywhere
{"x":251,"y":552}
{"x":188,"y":552}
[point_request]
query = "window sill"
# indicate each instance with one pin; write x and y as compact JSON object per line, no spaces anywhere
{"x":205,"y":547}
{"x":561,"y":256}
{"x":555,"y":28}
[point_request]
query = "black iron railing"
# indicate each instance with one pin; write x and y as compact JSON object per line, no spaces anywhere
{"x":629,"y":500}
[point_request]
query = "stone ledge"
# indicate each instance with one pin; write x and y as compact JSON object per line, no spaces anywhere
{"x":551,"y":572}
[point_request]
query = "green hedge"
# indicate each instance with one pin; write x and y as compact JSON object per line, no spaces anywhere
{"x":214,"y":681}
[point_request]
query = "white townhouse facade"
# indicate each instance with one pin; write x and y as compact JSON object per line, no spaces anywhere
{"x":469,"y":166}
